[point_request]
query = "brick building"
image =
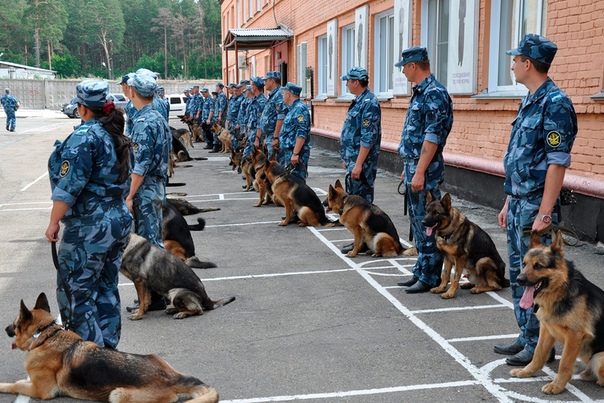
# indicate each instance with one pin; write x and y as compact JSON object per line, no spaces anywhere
{"x":314,"y":42}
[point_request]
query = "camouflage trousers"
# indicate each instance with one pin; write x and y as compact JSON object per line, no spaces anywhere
{"x":11,"y":119}
{"x":428,"y":266}
{"x":147,"y":210}
{"x":365,"y":185}
{"x":249,"y":145}
{"x":90,"y":256}
{"x":301,"y":169}
{"x":234,"y":135}
{"x":521,"y":213}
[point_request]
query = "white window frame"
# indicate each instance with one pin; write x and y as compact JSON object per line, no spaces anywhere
{"x":384,"y":54}
{"x":499,"y":61}
{"x":322,"y":66}
{"x":348,"y":53}
{"x":259,"y":6}
{"x":251,"y":10}
{"x":435,"y":45}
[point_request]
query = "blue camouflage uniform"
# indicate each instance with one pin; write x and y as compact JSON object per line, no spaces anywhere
{"x":232,"y":118}
{"x":9,"y":103}
{"x":362,"y":127}
{"x":206,"y":108}
{"x":188,"y":104}
{"x":242,"y":117}
{"x":152,"y":142}
{"x":255,"y":109}
{"x":161,"y":107}
{"x":274,"y":110}
{"x":429,"y":118}
{"x":197,"y":106}
{"x":220,"y":105}
{"x":84,"y":172}
{"x":295,"y":125}
{"x":130,"y":110}
{"x":543,"y":133}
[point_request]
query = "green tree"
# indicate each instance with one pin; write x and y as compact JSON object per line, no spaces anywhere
{"x":12,"y":35}
{"x":47,"y":20}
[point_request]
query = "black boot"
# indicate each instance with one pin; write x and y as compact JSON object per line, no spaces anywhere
{"x":216,"y":149}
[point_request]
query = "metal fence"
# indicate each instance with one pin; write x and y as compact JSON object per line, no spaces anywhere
{"x":51,"y":94}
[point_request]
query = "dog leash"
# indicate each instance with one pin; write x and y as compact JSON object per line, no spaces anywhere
{"x":405,"y":212}
{"x":552,"y":229}
{"x":55,"y":260}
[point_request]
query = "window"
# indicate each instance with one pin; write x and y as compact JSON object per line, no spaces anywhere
{"x":438,"y":38}
{"x":251,"y":10}
{"x":510,"y":20}
{"x":301,"y":67}
{"x":384,"y":53}
{"x":258,"y":5}
{"x":322,"y":66}
{"x":348,"y":48}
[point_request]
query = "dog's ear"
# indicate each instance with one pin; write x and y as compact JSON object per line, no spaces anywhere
{"x":429,"y":198}
{"x":558,"y":244}
{"x":338,"y":184}
{"x":331,"y":190}
{"x":535,"y":240}
{"x":25,"y":314}
{"x":42,"y":303}
{"x":446,"y":201}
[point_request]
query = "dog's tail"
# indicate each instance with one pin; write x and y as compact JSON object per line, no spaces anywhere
{"x":199,"y":391}
{"x":195,"y":263}
{"x":220,"y":302}
{"x":201,"y":223}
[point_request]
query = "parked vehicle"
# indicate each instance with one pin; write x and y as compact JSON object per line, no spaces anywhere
{"x":178,"y":103}
{"x":119,"y":100}
{"x":71,"y":109}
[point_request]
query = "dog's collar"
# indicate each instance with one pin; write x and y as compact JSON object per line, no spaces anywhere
{"x":41,"y":330}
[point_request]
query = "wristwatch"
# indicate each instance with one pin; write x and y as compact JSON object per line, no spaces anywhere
{"x":296,"y":154}
{"x":547,"y":219}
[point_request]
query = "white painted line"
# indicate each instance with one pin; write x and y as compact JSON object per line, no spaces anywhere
{"x":478,"y":338}
{"x":483,"y":379}
{"x":458,"y":308}
{"x":349,"y":393}
{"x":242,"y":224}
{"x":24,"y":209}
{"x":32,"y":183}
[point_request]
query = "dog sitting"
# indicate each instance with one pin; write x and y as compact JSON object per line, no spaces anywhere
{"x":367,"y":222}
{"x":570,"y":309}
{"x":261,"y":183}
{"x":176,"y":235}
{"x":243,"y":165}
{"x":152,"y":268}
{"x":464,"y":245}
{"x":295,"y":195}
{"x":224,"y":136}
{"x":59,"y":363}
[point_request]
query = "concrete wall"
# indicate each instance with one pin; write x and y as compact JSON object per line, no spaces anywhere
{"x":51,"y":94}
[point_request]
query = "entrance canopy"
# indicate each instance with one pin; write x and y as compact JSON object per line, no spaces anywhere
{"x":256,"y":38}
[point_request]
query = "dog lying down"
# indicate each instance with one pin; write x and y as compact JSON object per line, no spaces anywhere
{"x":59,"y":363}
{"x":152,"y":268}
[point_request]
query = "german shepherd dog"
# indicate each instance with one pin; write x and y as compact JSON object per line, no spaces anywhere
{"x":58,"y":363}
{"x":464,"y":245}
{"x":243,"y":164}
{"x":186,"y":208}
{"x":152,"y":268}
{"x":224,"y":136}
{"x":294,"y":194}
{"x":367,"y":222}
{"x":570,"y":309}
{"x":176,"y":235}
{"x":261,"y":184}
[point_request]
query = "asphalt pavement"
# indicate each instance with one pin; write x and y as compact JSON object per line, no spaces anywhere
{"x":308,"y":323}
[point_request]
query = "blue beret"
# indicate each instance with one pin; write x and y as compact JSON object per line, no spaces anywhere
{"x":221,"y":85}
{"x":355,"y":73}
{"x":144,"y":84}
{"x":147,"y":72}
{"x":536,"y":47}
{"x":257,"y":81}
{"x":414,"y":54}
{"x":293,"y":88}
{"x":272,"y":74}
{"x":92,"y":93}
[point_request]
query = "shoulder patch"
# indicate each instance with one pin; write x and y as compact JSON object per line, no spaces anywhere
{"x":300,"y":118}
{"x":65,"y":166}
{"x":135,"y":147}
{"x":553,"y":139}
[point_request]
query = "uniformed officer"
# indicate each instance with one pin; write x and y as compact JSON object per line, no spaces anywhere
{"x":273,"y":114}
{"x":89,"y":178}
{"x":10,"y":105}
{"x":207,"y":110}
{"x":189,"y":94}
{"x":246,"y":91}
{"x":535,"y":163}
{"x":151,"y":143}
{"x":254,"y":113}
{"x":160,"y":93}
{"x":219,"y":113}
{"x":427,"y":126}
{"x":129,"y":109}
{"x":361,"y":136}
{"x":295,"y":133}
{"x":233,"y":114}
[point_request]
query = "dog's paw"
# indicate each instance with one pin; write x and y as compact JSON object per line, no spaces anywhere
{"x":448,"y":295}
{"x":136,"y":316}
{"x":520,"y":373}
{"x":437,"y":290}
{"x":351,"y":254}
{"x":284,"y":223}
{"x":552,"y":388}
